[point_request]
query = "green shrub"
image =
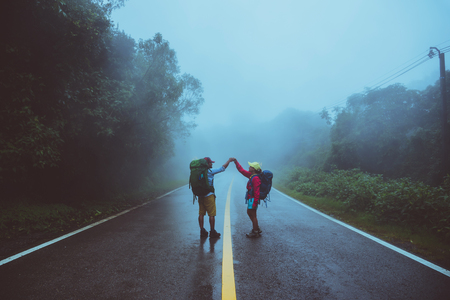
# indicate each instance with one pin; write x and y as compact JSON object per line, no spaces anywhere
{"x":26,"y":216}
{"x":400,"y":201}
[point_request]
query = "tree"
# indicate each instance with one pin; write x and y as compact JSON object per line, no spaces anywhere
{"x":84,"y":107}
{"x":391,"y":131}
{"x":154,"y":115}
{"x":50,"y":69}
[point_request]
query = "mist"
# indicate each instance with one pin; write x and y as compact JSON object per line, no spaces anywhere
{"x":254,"y":77}
{"x":268,"y":69}
{"x":262,"y":57}
{"x":289,"y":139}
{"x":343,"y":96}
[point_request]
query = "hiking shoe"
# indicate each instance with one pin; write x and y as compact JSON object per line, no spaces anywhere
{"x":253,"y":234}
{"x":203,"y":233}
{"x":259,"y":230}
{"x":214,"y":234}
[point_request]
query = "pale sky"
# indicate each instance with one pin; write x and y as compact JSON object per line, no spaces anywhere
{"x":258,"y":57}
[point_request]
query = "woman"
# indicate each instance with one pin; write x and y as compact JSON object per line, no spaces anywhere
{"x":252,"y":196}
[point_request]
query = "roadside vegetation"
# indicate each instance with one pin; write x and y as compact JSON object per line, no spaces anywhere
{"x":25,"y":216}
{"x":89,"y":116}
{"x":408,"y":214}
{"x":87,"y":111}
{"x":89,"y":120}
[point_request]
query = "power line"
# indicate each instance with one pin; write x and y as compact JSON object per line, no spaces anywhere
{"x":443,"y":43}
{"x":445,"y":50}
{"x":391,"y":77}
{"x":401,"y":72}
{"x":421,"y":55}
{"x":406,"y":69}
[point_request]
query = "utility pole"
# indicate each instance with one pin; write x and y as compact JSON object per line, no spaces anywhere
{"x":445,"y":137}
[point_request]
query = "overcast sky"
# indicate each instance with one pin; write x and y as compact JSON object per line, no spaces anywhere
{"x":258,"y":57}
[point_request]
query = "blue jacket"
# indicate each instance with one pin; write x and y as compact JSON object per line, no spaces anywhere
{"x":211,"y":173}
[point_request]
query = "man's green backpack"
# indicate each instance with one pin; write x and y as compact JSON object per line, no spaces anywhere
{"x":198,"y":179}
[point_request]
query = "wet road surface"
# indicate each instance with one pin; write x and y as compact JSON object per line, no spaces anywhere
{"x":155,"y":252}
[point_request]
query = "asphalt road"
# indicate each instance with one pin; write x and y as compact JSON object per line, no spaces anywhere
{"x":155,"y":252}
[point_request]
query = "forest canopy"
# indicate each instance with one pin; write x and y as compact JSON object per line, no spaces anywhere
{"x":85,"y":107}
{"x":391,"y":131}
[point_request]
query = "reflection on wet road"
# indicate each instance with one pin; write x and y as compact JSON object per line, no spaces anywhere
{"x":155,"y":252}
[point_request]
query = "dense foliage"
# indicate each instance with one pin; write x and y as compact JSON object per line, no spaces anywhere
{"x":85,"y":108}
{"x":385,"y":158}
{"x":391,"y":131}
{"x":398,"y":201}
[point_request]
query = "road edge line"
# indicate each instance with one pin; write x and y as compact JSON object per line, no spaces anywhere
{"x":373,"y":238}
{"x":23,"y":253}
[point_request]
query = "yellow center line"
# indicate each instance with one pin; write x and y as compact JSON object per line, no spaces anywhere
{"x":228,"y":285}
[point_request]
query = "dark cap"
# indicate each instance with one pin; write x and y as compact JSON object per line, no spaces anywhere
{"x":208,"y":160}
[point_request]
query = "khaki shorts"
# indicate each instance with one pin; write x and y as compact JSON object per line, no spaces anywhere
{"x":207,"y":204}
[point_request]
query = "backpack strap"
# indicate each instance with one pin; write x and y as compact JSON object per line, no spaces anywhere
{"x":247,"y":196}
{"x":250,"y":193}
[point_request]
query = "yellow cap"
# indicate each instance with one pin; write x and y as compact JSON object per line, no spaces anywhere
{"x":255,"y":165}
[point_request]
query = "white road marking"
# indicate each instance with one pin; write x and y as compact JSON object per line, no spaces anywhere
{"x":398,"y":250}
{"x":11,"y":258}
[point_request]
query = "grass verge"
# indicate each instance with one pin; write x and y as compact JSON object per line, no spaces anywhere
{"x":23,"y":217}
{"x":417,"y":241}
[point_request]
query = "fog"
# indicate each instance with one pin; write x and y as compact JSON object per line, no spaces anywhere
{"x":291,"y":138}
{"x":256,"y":59}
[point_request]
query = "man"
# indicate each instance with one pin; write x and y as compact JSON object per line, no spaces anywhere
{"x":207,"y":204}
